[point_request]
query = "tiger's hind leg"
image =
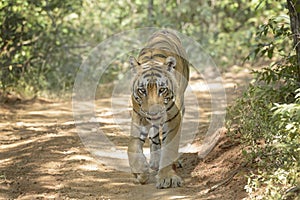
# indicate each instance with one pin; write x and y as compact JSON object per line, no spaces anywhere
{"x":167,"y":176}
{"x":155,"y":145}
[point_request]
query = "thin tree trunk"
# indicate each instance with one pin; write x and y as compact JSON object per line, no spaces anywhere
{"x":150,"y":12}
{"x":294,"y":12}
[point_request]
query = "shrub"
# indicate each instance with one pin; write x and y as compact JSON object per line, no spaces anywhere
{"x":268,"y":117}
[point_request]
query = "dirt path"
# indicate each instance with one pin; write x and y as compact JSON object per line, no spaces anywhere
{"x":42,"y":157}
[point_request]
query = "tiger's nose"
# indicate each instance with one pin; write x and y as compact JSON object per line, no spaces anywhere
{"x":155,"y":109}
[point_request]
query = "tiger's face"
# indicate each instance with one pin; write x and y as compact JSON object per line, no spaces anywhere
{"x":154,"y":87}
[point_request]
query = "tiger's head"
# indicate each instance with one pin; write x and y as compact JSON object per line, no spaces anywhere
{"x":154,"y":86}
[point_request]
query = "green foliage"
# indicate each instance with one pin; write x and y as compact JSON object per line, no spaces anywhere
{"x":224,"y":28}
{"x":35,"y":44}
{"x":268,"y":116}
{"x":272,"y":37}
{"x":43,"y":43}
{"x":271,"y":134}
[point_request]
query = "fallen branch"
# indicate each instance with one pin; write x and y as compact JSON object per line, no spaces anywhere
{"x":227,"y":179}
{"x":294,"y":189}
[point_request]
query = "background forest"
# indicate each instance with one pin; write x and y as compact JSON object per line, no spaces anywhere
{"x":43,"y":43}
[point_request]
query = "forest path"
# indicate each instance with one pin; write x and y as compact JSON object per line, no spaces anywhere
{"x":42,"y":156}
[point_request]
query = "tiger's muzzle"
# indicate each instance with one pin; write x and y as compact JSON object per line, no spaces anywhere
{"x":154,"y":112}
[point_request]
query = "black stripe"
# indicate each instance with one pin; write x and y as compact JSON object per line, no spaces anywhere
{"x":142,"y":140}
{"x":136,"y":112}
{"x":164,"y":133}
{"x":144,"y":134}
{"x":176,"y":50}
{"x":167,"y":132}
{"x":169,"y":108}
{"x":133,"y":84}
{"x":165,"y":48}
{"x":146,"y":58}
{"x":157,"y":75}
{"x":171,"y":86}
{"x":150,"y":70}
{"x":146,"y":67}
{"x":153,"y":45}
{"x":173,"y":117}
{"x":143,"y":51}
{"x":154,"y":126}
{"x":162,"y":42}
{"x":147,"y":75}
{"x":164,"y":138}
{"x":157,"y":69}
{"x":152,"y":75}
{"x":155,"y":136}
{"x":156,"y":143}
{"x":160,"y":55}
{"x":145,"y":72}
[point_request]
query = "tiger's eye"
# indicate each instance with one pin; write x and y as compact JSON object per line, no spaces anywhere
{"x":162,"y":90}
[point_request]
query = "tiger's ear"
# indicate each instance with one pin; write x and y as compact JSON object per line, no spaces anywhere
{"x":133,"y":64}
{"x":171,"y":63}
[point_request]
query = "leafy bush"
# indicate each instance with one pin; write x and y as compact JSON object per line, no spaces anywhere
{"x":36,"y":40}
{"x":268,"y":117}
{"x":271,"y":135}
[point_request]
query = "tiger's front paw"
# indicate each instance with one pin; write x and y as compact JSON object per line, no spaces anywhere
{"x":142,"y":178}
{"x":169,"y":181}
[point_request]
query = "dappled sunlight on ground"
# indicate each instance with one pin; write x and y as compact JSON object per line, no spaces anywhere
{"x":42,"y":156}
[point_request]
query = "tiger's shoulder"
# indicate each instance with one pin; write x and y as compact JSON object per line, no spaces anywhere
{"x":165,"y":43}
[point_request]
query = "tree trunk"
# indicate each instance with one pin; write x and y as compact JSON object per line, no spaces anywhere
{"x":150,"y":12}
{"x":294,"y":12}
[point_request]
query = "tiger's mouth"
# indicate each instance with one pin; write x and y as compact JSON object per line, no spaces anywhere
{"x":154,"y":118}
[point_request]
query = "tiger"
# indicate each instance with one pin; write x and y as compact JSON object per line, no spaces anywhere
{"x":160,"y":78}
